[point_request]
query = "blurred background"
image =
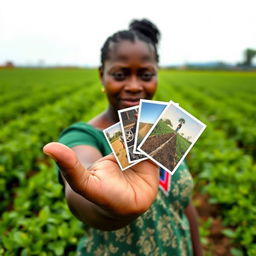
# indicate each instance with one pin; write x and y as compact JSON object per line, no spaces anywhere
{"x":49,"y":55}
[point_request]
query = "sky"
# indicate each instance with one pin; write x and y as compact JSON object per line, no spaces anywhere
{"x":150,"y":112}
{"x":192,"y":127}
{"x":114,"y":128}
{"x":72,"y":32}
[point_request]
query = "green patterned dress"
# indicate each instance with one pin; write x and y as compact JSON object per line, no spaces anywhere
{"x":162,"y":230}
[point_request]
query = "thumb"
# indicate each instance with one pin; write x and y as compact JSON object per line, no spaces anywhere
{"x":71,"y":168}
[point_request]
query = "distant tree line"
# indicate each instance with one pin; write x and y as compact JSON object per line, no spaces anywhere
{"x":249,"y":54}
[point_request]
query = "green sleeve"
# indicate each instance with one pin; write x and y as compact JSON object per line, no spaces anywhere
{"x":84,"y":134}
{"x":78,"y":134}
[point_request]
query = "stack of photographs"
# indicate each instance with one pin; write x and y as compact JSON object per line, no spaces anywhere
{"x":160,"y":131}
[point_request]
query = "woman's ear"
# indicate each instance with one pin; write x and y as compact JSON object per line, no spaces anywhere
{"x":100,"y":69}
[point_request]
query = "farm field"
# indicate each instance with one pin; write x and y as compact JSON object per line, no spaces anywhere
{"x":37,"y":104}
{"x":120,"y":151}
{"x":182,"y":145}
{"x":166,"y":145}
{"x":142,"y":131}
{"x":162,"y":148}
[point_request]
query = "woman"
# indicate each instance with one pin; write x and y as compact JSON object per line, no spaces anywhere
{"x":124,"y":212}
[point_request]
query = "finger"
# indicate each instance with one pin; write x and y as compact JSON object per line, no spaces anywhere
{"x":72,"y":170}
{"x":145,"y":165}
{"x":148,"y":170}
{"x":109,"y":157}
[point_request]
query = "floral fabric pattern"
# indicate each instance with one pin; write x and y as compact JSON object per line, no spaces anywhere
{"x":162,"y":230}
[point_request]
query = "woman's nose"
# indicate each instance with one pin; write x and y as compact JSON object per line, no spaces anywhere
{"x":133,"y":84}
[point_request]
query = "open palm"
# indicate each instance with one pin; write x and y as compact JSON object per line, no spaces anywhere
{"x":124,"y":193}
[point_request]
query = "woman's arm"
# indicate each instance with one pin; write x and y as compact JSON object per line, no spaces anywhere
{"x":98,"y":192}
{"x":93,"y":215}
{"x":191,"y":214}
{"x":82,"y":208}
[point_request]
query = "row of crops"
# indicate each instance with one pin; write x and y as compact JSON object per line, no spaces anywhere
{"x":35,"y":105}
{"x":34,"y":217}
{"x":223,"y":160}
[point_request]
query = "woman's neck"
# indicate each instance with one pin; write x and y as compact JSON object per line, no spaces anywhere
{"x":112,"y":115}
{"x":105,"y":119}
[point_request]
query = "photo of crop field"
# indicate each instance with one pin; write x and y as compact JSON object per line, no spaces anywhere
{"x":143,"y":130}
{"x":35,"y":106}
{"x":116,"y":141}
{"x":148,"y":115}
{"x":171,"y":137}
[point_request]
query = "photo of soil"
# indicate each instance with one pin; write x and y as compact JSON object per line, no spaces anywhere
{"x":149,"y":112}
{"x":171,"y":137}
{"x":120,"y":152}
{"x":115,"y":140}
{"x":143,"y":130}
{"x":162,"y":148}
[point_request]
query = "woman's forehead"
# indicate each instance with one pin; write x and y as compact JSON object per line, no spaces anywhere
{"x":126,"y":50}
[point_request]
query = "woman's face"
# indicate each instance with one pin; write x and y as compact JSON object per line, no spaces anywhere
{"x":129,"y":74}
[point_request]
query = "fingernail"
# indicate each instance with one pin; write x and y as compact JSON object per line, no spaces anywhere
{"x":50,"y":155}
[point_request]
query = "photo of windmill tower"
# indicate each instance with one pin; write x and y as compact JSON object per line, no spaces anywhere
{"x":171,"y":137}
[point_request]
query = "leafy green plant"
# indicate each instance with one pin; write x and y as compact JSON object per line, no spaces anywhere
{"x":34,"y":218}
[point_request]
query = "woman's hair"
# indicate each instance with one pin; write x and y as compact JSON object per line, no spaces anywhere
{"x":143,"y":30}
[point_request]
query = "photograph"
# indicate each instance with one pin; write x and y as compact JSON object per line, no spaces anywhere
{"x":171,"y":137}
{"x":128,"y":119}
{"x":149,"y":112}
{"x":74,"y":180}
{"x":115,"y":139}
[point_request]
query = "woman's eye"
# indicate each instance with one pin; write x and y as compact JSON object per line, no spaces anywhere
{"x":147,"y":76}
{"x":119,"y":76}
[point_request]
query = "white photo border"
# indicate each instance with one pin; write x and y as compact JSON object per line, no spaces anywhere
{"x":189,"y":148}
{"x":117,"y":159}
{"x":139,"y":115}
{"x":123,"y":131}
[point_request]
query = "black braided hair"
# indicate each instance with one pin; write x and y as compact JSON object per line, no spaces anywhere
{"x":143,"y":30}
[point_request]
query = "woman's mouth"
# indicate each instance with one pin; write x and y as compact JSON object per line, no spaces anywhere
{"x":129,"y":102}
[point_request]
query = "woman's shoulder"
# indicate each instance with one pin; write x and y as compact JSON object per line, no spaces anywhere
{"x":80,"y":126}
{"x":101,"y":121}
{"x":82,"y":133}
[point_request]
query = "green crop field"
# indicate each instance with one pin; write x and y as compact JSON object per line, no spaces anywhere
{"x":36,"y":105}
{"x":181,"y":146}
{"x":161,"y":128}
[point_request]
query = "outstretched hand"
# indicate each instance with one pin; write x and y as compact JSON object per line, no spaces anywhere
{"x":129,"y":192}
